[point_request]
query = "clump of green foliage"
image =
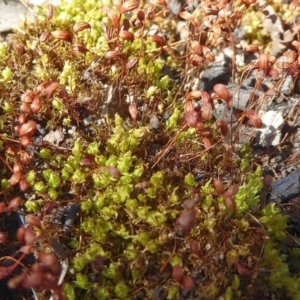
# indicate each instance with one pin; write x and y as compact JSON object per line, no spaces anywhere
{"x":89,"y":116}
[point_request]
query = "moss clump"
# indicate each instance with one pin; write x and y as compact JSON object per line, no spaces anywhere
{"x":91,"y":117}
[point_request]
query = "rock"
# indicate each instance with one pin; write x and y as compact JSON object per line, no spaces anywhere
{"x":184,"y":34}
{"x":215,"y":74}
{"x":240,"y":97}
{"x":286,"y":188}
{"x":175,"y":6}
{"x":288,"y":86}
{"x":71,"y":216}
{"x":222,"y":112}
{"x":270,"y":132}
{"x":13,"y":12}
{"x":54,"y":137}
{"x":154,"y":122}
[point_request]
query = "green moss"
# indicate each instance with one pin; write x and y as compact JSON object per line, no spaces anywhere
{"x":131,"y":180}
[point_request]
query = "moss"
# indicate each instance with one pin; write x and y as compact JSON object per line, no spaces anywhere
{"x":131,"y":180}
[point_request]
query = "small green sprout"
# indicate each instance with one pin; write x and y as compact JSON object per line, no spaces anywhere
{"x":189,"y":179}
{"x":58,"y":104}
{"x":102,"y":293}
{"x":122,"y":290}
{"x":6,"y":74}
{"x":33,"y":205}
{"x":40,"y":187}
{"x":31,"y":177}
{"x":93,"y":148}
{"x":111,"y":271}
{"x":82,"y":281}
{"x":172,"y":121}
{"x":45,"y":153}
{"x":52,"y":178}
{"x":152,"y":246}
{"x":152,"y":90}
{"x":7,"y":107}
{"x":172,"y":292}
{"x":53,"y":193}
{"x":5,"y":184}
{"x":157,"y":179}
{"x":164,"y":82}
{"x":68,"y":290}
{"x":77,"y":149}
{"x":78,"y":177}
{"x":79,"y":263}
